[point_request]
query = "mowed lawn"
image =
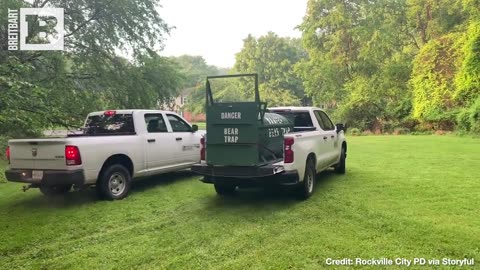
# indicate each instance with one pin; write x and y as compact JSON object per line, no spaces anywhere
{"x":402,"y":196}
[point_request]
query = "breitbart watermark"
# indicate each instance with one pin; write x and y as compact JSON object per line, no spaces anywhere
{"x":377,"y":262}
{"x":35,"y":29}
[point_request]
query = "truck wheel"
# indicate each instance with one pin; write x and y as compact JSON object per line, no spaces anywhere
{"x":225,"y":189}
{"x":114,"y":183}
{"x":51,"y":191}
{"x":340,"y":167}
{"x":306,"y":188}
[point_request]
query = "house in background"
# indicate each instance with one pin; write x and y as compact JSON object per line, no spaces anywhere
{"x":178,"y":107}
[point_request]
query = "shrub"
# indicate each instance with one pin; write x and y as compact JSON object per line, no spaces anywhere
{"x":367,"y":133}
{"x":463,"y":120}
{"x":409,"y":123}
{"x":354,"y":131}
{"x":388,"y":127}
{"x":401,"y":131}
{"x":474,"y":116}
{"x":468,"y":119}
{"x":421,"y":133}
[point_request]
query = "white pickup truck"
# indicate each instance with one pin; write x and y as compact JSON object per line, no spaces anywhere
{"x":315,"y":144}
{"x":114,"y":148}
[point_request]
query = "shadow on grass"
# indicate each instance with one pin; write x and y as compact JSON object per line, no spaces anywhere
{"x":89,"y":194}
{"x":325,"y":177}
{"x":260,"y":198}
{"x":72,"y":199}
{"x":150,"y":182}
{"x":268,"y":198}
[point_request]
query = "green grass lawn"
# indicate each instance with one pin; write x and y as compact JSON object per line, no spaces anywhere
{"x":402,"y":196}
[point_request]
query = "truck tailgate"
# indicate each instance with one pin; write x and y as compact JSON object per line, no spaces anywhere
{"x":42,"y":154}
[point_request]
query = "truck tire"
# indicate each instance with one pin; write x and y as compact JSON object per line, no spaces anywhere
{"x":340,"y":167}
{"x":225,"y":189}
{"x":307,"y":187}
{"x":114,"y":183}
{"x":51,"y":191}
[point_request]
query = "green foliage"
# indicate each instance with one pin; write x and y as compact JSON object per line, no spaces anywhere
{"x":433,"y":80}
{"x":468,"y":119}
{"x":201,"y":125}
{"x":463,"y":120}
{"x":354,"y":132}
{"x":474,"y":116}
{"x":278,"y":96}
{"x":360,"y":108}
{"x":446,"y":80}
{"x":360,"y":59}
{"x":432,"y":19}
{"x":378,"y":63}
{"x":419,"y":133}
{"x":196,"y":100}
{"x":13,"y":107}
{"x":195,"y":70}
{"x":232,"y":89}
{"x":401,"y":131}
{"x":467,"y":81}
{"x":41,"y":89}
{"x":274,"y":59}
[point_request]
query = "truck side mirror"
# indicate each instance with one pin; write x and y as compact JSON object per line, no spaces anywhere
{"x":194,"y":128}
{"x":340,"y":127}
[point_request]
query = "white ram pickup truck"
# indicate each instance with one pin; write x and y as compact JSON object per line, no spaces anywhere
{"x":114,"y":148}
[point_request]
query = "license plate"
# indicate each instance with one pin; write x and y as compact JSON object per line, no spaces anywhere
{"x":37,"y":175}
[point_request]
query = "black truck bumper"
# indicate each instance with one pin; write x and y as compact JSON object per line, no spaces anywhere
{"x":246,"y":176}
{"x":50,"y":177}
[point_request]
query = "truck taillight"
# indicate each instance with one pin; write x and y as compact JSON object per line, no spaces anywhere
{"x":109,"y":113}
{"x":202,"y":148}
{"x":72,"y":155}
{"x":287,"y":150}
{"x":7,"y":154}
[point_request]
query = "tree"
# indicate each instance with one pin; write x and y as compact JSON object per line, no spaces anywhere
{"x":51,"y":88}
{"x":445,"y":79}
{"x":433,"y":81}
{"x":360,"y":54}
{"x":467,"y":79}
{"x":361,"y":57}
{"x":274,"y":59}
{"x":195,"y":70}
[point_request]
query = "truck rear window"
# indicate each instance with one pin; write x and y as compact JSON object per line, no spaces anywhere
{"x":301,"y":120}
{"x":118,"y":124}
